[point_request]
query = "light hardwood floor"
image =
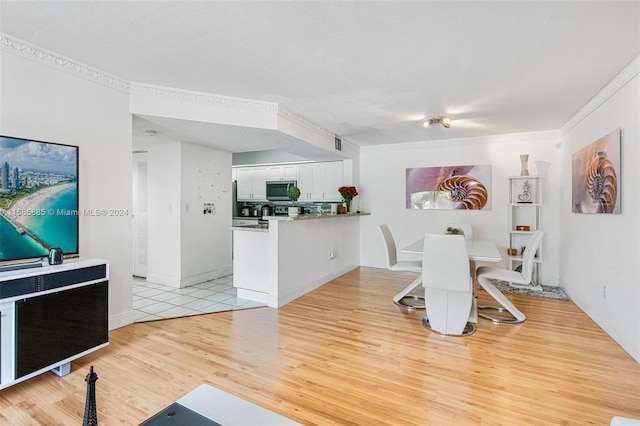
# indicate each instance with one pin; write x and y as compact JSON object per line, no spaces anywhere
{"x":346,"y":355}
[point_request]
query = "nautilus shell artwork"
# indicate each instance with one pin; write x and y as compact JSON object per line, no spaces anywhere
{"x":596,"y":171}
{"x":449,"y":187}
{"x":602,"y":183}
{"x":471,"y":194}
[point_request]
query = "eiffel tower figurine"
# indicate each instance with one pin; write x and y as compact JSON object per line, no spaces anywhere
{"x":90,"y":414}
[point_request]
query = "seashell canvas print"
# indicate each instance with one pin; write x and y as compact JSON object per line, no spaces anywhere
{"x":596,"y":176}
{"x":450,"y":187}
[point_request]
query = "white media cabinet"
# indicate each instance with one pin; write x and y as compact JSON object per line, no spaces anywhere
{"x":50,"y":316}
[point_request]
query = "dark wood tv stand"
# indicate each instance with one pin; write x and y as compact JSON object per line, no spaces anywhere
{"x":50,"y":316}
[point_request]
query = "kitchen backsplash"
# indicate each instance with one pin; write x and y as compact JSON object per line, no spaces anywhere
{"x":311,"y":207}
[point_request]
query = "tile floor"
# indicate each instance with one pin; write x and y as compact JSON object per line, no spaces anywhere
{"x":156,"y":301}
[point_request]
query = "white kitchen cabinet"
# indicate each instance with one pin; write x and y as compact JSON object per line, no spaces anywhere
{"x":305,"y":182}
{"x":260,"y":183}
{"x":282,"y":172}
{"x":320,"y":181}
{"x":525,"y":205}
{"x":333,"y":179}
{"x":317,"y":181}
{"x":245,"y":183}
{"x":252,"y":183}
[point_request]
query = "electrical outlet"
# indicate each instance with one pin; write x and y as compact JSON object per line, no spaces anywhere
{"x":604,"y":291}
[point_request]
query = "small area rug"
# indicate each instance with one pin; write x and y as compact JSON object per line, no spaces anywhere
{"x":548,"y":292}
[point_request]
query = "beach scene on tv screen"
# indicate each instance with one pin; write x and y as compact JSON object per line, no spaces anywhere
{"x":38,"y":198}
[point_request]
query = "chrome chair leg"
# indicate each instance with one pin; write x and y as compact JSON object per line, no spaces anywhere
{"x":469,"y":329}
{"x":514,"y":316}
{"x":410,"y":301}
{"x":510,"y":319}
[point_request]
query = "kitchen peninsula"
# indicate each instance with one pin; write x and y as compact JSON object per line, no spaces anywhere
{"x":293,"y":255}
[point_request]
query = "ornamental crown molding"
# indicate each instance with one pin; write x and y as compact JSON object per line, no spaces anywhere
{"x":303,"y":122}
{"x":348,"y":147}
{"x":619,"y":81}
{"x":39,"y":54}
{"x":149,"y":90}
{"x":546,"y":136}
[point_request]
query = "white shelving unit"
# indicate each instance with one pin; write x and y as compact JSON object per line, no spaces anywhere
{"x":525,"y":205}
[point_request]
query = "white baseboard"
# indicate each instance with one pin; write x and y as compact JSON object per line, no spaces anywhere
{"x":182,"y":282}
{"x":207,"y":276}
{"x":120,"y":320}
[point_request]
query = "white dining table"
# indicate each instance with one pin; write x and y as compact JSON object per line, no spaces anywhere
{"x":478,"y":250}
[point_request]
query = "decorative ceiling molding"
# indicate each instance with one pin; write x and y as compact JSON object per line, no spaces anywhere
{"x":142,"y":89}
{"x":350,"y":147}
{"x":301,"y":121}
{"x":58,"y":61}
{"x":624,"y":77}
{"x":545,"y":136}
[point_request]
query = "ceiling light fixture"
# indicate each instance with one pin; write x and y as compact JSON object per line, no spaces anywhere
{"x":445,"y":120}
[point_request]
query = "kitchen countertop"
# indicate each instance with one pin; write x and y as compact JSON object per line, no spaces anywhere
{"x":284,"y":218}
{"x":251,"y":228}
{"x":313,"y":216}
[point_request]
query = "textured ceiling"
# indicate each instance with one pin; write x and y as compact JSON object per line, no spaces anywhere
{"x":366,"y":71}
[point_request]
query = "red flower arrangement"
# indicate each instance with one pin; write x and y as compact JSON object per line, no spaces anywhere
{"x":348,"y":192}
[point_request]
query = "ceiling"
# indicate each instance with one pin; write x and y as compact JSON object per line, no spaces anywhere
{"x":366,"y":71}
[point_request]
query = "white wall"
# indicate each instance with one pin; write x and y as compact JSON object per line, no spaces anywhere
{"x":383,"y":177}
{"x":186,"y":246}
{"x":49,"y":104}
{"x":206,"y":238}
{"x":600,"y":249}
{"x":163,"y":167}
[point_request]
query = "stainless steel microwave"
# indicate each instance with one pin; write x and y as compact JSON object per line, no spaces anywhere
{"x":277,"y":189}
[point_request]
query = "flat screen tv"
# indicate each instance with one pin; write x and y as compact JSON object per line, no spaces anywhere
{"x":38,"y":199}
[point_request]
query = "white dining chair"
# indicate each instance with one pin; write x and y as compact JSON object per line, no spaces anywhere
{"x":486,"y":273}
{"x":467,"y":231}
{"x":403,"y":298}
{"x":448,"y":287}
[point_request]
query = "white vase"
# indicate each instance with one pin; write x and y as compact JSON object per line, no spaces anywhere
{"x":524,"y":159}
{"x":293,"y":211}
